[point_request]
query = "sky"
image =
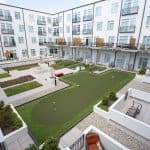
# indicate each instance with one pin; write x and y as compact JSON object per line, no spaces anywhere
{"x":50,"y":6}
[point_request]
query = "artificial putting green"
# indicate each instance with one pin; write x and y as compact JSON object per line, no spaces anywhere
{"x":53,"y":114}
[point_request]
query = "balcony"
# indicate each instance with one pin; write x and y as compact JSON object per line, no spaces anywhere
{"x":55,"y":23}
{"x":145,"y":47}
{"x":55,"y":33}
{"x":42,"y":33}
{"x":87,"y":31}
{"x":10,"y":44}
{"x":75,"y":32}
{"x":5,"y":18}
{"x":42,"y":43}
{"x":7,"y":31}
{"x":88,"y":18}
{"x":127,"y":29}
{"x":41,"y":22}
{"x":76,"y":19}
{"x":130,"y":10}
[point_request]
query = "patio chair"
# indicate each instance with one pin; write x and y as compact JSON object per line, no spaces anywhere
{"x":134,"y":110}
{"x":93,"y":141}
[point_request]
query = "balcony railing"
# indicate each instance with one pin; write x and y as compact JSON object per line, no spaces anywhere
{"x":75,"y":32}
{"x":87,"y":31}
{"x":75,"y":19}
{"x":42,"y":33}
{"x":5,"y":18}
{"x":55,"y":23}
{"x":145,"y":47}
{"x":127,"y":29}
{"x":130,"y":10}
{"x":87,"y":18}
{"x":42,"y":43}
{"x":11,"y":44}
{"x":7,"y":31}
{"x":41,"y":22}
{"x":55,"y":33}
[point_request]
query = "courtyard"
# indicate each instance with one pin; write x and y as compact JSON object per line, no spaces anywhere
{"x":53,"y":114}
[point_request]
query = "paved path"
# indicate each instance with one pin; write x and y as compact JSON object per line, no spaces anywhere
{"x":119,"y":133}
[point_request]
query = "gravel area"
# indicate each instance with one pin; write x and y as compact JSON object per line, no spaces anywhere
{"x":119,"y":133}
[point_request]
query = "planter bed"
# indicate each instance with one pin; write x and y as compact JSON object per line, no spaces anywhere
{"x":4,"y":75}
{"x":22,"y":88}
{"x":24,"y":67}
{"x":9,"y":121}
{"x":16,"y":81}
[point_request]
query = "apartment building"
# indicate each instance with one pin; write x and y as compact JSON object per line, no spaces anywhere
{"x":123,"y":27}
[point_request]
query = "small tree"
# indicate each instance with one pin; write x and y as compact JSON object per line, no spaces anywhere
{"x":105,"y":100}
{"x":50,"y":144}
{"x":112,"y":96}
{"x":142,"y":71}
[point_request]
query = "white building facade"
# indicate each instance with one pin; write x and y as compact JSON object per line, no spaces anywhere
{"x":26,"y":33}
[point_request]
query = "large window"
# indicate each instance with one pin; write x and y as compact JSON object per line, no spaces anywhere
{"x":99,"y":26}
{"x":33,"y":52}
{"x":146,"y":41}
{"x":21,"y":28}
{"x":88,"y":12}
{"x":123,"y":40}
{"x":21,"y":40}
{"x":17,"y":16}
{"x":33,"y":40}
{"x":24,"y":53}
{"x":111,"y":39}
{"x":9,"y":40}
{"x":110,"y":25}
{"x":143,"y":62}
{"x":30,"y":29}
{"x":98,"y":11}
{"x":107,"y":58}
{"x":114,"y":8}
{"x":148,"y":21}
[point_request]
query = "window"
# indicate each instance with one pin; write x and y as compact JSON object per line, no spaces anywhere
{"x":146,"y":41}
{"x":114,"y":8}
{"x":24,"y":53}
{"x":128,"y":22}
{"x":31,"y":17}
{"x":60,"y":19}
{"x":99,"y":26}
{"x":49,"y":20}
{"x":43,"y":51}
{"x":98,"y":11}
{"x":107,"y":58}
{"x":6,"y":26}
{"x":21,"y":28}
{"x":68,"y":17}
{"x":148,"y":21}
{"x":49,"y":30}
{"x":33,"y":52}
{"x":30,"y":29}
{"x":68,"y":29}
{"x":123,"y":40}
{"x":143,"y":62}
{"x":17,"y":16}
{"x":33,"y":40}
{"x":110,"y":25}
{"x":21,"y":40}
{"x":111,"y":39}
{"x":9,"y":41}
{"x":88,"y":12}
{"x":1,"y":12}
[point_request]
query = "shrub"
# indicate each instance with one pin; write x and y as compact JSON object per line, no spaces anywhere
{"x":50,"y":144}
{"x":32,"y":147}
{"x":105,"y":100}
{"x":1,"y":104}
{"x":112,"y":96}
{"x":142,"y":71}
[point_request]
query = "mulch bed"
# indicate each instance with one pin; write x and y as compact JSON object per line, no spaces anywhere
{"x":16,"y":81}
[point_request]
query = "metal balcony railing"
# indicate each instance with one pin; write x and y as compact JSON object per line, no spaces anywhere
{"x":5,"y":18}
{"x":130,"y":10}
{"x":56,"y":33}
{"x":127,"y":29}
{"x":75,"y":32}
{"x":42,"y":43}
{"x":56,"y":23}
{"x":88,"y":18}
{"x":7,"y":31}
{"x":87,"y":31}
{"x":41,"y":22}
{"x":42,"y":33}
{"x":10,"y":44}
{"x":76,"y":19}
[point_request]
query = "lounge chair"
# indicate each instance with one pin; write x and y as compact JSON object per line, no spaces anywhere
{"x":93,"y":141}
{"x":134,"y":109}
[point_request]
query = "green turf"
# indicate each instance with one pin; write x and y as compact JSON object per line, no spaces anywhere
{"x":21,"y":88}
{"x":53,"y":114}
{"x":4,"y":75}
